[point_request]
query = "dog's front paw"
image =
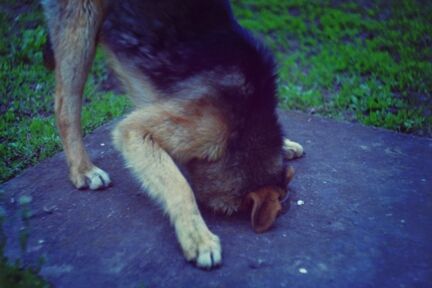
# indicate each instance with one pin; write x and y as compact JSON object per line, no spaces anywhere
{"x":199,"y":244}
{"x":292,"y":149}
{"x":95,"y":178}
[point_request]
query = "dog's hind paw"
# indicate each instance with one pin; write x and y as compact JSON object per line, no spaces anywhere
{"x":292,"y":149}
{"x":94,"y":179}
{"x":202,"y":247}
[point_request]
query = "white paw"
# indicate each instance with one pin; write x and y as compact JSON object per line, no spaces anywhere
{"x":292,"y":149}
{"x":95,"y":179}
{"x":200,"y":246}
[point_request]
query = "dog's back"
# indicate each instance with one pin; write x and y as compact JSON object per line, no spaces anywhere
{"x":190,"y":42}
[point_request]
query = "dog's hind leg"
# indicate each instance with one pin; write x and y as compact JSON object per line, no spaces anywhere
{"x":150,"y":140}
{"x":73,"y":27}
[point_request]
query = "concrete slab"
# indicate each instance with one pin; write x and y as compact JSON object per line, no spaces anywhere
{"x":365,"y":222}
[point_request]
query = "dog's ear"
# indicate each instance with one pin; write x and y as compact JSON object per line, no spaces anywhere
{"x":265,"y":205}
{"x":290,"y":174}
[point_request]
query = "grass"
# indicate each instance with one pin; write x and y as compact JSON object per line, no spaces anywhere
{"x":15,"y":274}
{"x":27,"y":127}
{"x":368,"y":63}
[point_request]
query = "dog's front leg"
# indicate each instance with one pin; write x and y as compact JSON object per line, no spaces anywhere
{"x":162,"y":179}
{"x":292,"y":149}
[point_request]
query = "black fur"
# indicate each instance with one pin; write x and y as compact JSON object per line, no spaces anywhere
{"x":171,"y":41}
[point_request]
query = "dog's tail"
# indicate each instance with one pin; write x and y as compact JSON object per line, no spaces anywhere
{"x":48,"y":55}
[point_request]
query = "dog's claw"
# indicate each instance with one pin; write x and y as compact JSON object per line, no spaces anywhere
{"x":201,"y":247}
{"x":93,"y":179}
{"x":209,"y":259}
{"x":97,"y":179}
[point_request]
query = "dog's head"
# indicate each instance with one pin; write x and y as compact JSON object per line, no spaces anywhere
{"x":251,"y":173}
{"x":227,"y":190}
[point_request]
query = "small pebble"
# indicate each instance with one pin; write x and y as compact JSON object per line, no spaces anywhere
{"x":49,"y":209}
{"x":257,"y":264}
{"x":300,"y":202}
{"x":303,"y":270}
{"x":364,"y":147}
{"x":41,"y":241}
{"x":102,"y":144}
{"x":402,"y":221}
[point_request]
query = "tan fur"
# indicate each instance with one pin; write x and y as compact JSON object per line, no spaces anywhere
{"x":151,"y":139}
{"x":266,"y":204}
{"x":265,"y":207}
{"x":140,"y":90}
{"x":74,"y":42}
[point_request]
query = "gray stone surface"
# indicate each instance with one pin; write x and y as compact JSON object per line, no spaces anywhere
{"x":366,"y":220}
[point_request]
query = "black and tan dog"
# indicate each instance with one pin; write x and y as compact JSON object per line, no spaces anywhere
{"x":204,"y":91}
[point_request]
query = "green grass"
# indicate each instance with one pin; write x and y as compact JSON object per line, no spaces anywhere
{"x":13,"y":274}
{"x":28,"y":132}
{"x":368,"y":63}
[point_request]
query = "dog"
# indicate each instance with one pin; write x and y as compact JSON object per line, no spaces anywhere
{"x":205,"y":97}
